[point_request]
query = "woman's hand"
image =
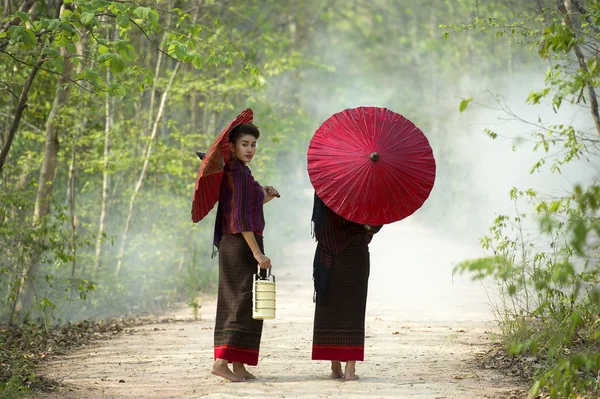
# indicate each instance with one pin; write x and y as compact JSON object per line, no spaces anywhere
{"x":263,"y":261}
{"x":272,"y":192}
{"x":372,"y":229}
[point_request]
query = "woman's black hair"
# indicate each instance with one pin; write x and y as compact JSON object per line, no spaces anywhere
{"x":243,"y":129}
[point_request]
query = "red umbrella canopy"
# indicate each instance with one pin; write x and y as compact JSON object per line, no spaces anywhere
{"x":208,"y":182}
{"x":371,"y":165}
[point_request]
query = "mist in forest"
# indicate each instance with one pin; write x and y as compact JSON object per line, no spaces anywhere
{"x":412,"y":260}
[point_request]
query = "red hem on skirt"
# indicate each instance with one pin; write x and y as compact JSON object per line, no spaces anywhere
{"x":341,"y":353}
{"x":236,"y":354}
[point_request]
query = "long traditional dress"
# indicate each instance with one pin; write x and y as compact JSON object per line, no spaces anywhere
{"x":237,"y":334}
{"x":341,"y":275}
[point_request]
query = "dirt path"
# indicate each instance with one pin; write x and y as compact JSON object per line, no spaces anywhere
{"x":415,"y":350}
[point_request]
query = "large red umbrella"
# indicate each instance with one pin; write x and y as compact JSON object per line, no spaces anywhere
{"x":208,"y":182}
{"x":371,"y":165}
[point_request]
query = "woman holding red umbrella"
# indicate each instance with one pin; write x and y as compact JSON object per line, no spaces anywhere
{"x":341,"y":274}
{"x":238,"y":236}
{"x":369,"y":167}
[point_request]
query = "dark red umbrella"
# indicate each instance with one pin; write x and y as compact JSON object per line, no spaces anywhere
{"x":371,"y":165}
{"x":208,"y":182}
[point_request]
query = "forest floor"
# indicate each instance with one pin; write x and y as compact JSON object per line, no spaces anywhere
{"x":426,"y":343}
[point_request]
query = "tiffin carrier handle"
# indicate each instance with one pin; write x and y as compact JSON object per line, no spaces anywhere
{"x":264,"y":274}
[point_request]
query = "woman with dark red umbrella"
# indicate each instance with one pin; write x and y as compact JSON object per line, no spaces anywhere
{"x":369,"y":167}
{"x":341,"y":274}
{"x":238,"y":236}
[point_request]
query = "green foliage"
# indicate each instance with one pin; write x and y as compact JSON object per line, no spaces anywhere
{"x":549,"y":287}
{"x":548,"y":276}
{"x":294,"y":63}
{"x":122,"y":54}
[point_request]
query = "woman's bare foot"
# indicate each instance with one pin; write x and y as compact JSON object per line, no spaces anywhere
{"x":220,"y":369}
{"x":350,"y":371}
{"x":240,"y":371}
{"x":336,"y":369}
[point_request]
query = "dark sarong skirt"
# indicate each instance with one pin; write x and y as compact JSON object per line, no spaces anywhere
{"x":237,"y":334}
{"x":339,"y":329}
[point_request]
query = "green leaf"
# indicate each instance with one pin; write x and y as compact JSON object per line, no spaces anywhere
{"x":117,"y":64}
{"x":123,"y":21}
{"x":464,"y":104}
{"x":120,"y":90}
{"x":50,"y":51}
{"x":68,"y":27}
{"x":102,"y":49}
{"x":71,"y":48}
{"x":153,"y":17}
{"x":181,"y":52}
{"x":22,"y":15}
{"x":88,"y":18}
{"x":102,"y":58}
{"x":54,"y":24}
{"x":141,"y":12}
{"x":47,"y":303}
{"x":92,"y":75}
{"x":59,"y":64}
{"x":512,"y":290}
{"x":198,"y":61}
{"x":28,"y":37}
{"x":127,"y":53}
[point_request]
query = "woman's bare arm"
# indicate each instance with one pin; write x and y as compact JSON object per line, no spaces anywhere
{"x":263,"y":261}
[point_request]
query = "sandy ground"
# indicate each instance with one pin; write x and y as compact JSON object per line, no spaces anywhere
{"x":423,"y":330}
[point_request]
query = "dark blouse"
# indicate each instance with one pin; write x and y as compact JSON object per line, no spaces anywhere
{"x":240,"y":202}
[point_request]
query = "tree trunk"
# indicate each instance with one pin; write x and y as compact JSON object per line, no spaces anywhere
{"x":157,"y":74}
{"x":573,"y":15}
{"x":564,"y":8}
{"x":46,"y":181}
{"x":21,"y":105}
{"x":147,"y":153}
{"x":71,"y":204}
{"x":109,"y":107}
{"x":579,"y":6}
{"x":154,"y":83}
{"x":538,"y":5}
{"x":71,"y":193}
{"x":48,"y":171}
{"x":7,"y":10}
{"x":27,"y":7}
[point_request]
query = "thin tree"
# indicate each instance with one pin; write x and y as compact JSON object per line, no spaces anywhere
{"x":147,"y":153}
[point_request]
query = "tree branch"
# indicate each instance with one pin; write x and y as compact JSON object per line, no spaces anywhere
{"x":31,"y":125}
{"x":19,"y":111}
{"x":8,"y":89}
{"x":25,"y":7}
{"x":583,"y":66}
{"x":47,"y":70}
{"x":584,"y":12}
{"x":152,"y":42}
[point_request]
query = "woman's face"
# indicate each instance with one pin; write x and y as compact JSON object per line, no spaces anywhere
{"x":244,"y":148}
